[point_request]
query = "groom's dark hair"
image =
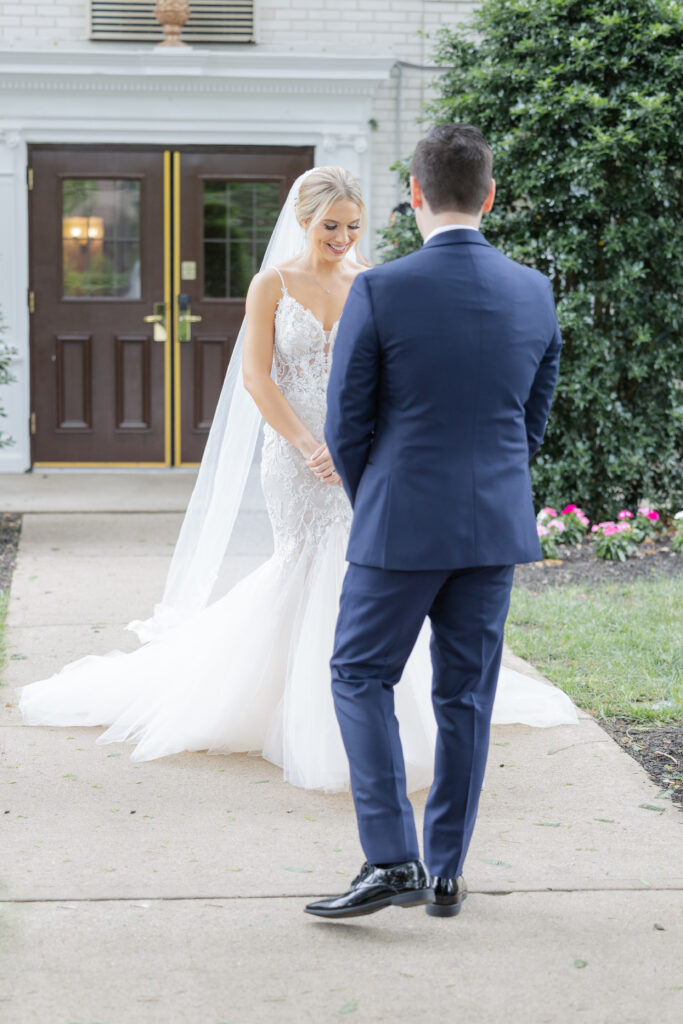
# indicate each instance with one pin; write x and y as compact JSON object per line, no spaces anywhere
{"x":453,"y":168}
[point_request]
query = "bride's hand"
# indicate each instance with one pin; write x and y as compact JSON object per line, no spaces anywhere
{"x":321,"y":464}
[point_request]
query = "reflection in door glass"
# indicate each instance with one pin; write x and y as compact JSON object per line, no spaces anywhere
{"x":101,"y":238}
{"x":239,"y":217}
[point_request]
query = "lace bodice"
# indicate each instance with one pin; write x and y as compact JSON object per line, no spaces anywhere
{"x":300,"y":507}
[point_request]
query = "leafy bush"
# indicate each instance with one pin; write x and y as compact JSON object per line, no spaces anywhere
{"x":582,"y":104}
{"x":6,"y":377}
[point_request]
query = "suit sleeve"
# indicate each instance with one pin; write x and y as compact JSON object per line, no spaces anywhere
{"x":352,"y":388}
{"x":540,"y":398}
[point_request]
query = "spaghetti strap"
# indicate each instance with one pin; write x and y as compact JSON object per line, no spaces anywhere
{"x":284,"y":286}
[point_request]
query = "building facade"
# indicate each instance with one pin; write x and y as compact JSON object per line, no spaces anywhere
{"x":139,"y":183}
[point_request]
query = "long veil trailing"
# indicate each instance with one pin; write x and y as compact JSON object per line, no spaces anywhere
{"x":228,"y":456}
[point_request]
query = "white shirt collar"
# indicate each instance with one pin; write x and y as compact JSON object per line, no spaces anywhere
{"x":448,"y":227}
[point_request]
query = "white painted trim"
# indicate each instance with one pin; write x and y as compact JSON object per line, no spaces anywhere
{"x":147,"y":69}
{"x":121,"y":96}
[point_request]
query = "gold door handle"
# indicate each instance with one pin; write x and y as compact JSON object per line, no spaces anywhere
{"x":185,"y":318}
{"x":158,"y":318}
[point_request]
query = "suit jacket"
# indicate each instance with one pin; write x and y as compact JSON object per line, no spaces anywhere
{"x":444,"y":367}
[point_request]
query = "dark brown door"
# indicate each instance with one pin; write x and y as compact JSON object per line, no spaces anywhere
{"x":99,"y":379}
{"x":119,"y":237}
{"x":229,"y":203}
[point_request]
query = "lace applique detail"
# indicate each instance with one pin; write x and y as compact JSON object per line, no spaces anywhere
{"x":301,"y":508}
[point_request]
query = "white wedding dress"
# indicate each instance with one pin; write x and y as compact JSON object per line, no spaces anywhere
{"x":250,"y":671}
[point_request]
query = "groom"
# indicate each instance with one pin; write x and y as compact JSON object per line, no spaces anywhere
{"x":444,"y":369}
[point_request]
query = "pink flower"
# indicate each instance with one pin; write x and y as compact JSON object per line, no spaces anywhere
{"x":583,"y":519}
{"x":625,"y":514}
{"x":557,"y":524}
{"x":548,"y":512}
{"x":623,"y":527}
{"x":542,"y":530}
{"x":608,"y":528}
{"x":570,"y":508}
{"x":654,"y":516}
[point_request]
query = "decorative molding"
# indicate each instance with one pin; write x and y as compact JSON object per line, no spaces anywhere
{"x":334,"y":141}
{"x":183,"y":85}
{"x":174,"y":70}
{"x":10,"y":139}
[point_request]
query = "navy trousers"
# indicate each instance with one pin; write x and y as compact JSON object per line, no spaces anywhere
{"x":380,"y":616}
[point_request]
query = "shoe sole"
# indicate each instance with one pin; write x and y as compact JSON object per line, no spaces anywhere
{"x":404,"y":899}
{"x":446,"y":909}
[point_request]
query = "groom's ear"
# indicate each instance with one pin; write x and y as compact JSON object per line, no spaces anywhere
{"x":488,"y":202}
{"x":416,"y":197}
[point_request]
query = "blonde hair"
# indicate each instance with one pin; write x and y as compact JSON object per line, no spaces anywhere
{"x":322,"y":187}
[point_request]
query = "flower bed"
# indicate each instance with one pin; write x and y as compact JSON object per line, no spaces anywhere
{"x":612,"y":540}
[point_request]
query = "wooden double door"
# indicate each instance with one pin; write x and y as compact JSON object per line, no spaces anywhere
{"x":140,"y":259}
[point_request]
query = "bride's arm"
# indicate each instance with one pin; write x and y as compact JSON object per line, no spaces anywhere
{"x":257,"y":361}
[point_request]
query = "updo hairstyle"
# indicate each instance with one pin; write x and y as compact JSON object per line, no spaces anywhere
{"x":323,"y":186}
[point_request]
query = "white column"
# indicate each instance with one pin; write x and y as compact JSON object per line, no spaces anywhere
{"x":14,"y":398}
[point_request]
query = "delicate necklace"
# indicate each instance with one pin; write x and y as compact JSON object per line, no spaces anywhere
{"x":326,"y":290}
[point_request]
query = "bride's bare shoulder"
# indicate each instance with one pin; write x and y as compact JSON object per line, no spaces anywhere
{"x":265,"y":291}
{"x":266,"y":283}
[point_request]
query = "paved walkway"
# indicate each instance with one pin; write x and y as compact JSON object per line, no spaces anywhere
{"x":171,"y":891}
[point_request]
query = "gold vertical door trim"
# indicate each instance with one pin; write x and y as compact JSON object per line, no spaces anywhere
{"x":177,"y":418}
{"x":168,"y":290}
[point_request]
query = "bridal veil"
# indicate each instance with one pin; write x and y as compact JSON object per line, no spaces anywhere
{"x":228,"y":457}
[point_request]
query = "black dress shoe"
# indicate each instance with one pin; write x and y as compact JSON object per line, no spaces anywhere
{"x":403,"y":885}
{"x":449,"y":895}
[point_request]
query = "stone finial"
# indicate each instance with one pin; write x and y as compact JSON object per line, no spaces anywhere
{"x":172,"y":15}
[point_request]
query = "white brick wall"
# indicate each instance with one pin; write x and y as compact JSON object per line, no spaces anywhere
{"x":402,"y":29}
{"x":45,"y":21}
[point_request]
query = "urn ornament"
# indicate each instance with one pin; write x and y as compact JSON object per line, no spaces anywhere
{"x":172,"y":15}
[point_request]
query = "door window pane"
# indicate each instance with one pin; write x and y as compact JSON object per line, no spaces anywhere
{"x":239,"y":217}
{"x":101,"y":238}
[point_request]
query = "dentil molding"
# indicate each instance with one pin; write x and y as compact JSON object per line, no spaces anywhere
{"x":125,"y":71}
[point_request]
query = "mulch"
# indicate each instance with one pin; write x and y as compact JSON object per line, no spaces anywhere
{"x":580,"y":565}
{"x":659,"y":750}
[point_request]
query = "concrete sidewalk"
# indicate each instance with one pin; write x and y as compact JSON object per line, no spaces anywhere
{"x":82,"y":490}
{"x":171,"y":891}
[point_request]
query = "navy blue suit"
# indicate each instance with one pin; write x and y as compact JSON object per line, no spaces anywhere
{"x":443,"y":373}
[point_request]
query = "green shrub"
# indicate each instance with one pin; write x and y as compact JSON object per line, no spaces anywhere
{"x":6,"y":377}
{"x":582,"y":103}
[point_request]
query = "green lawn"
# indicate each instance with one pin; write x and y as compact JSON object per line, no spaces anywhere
{"x":617,"y":650}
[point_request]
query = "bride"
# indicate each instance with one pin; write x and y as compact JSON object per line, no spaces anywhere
{"x":249,"y":671}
